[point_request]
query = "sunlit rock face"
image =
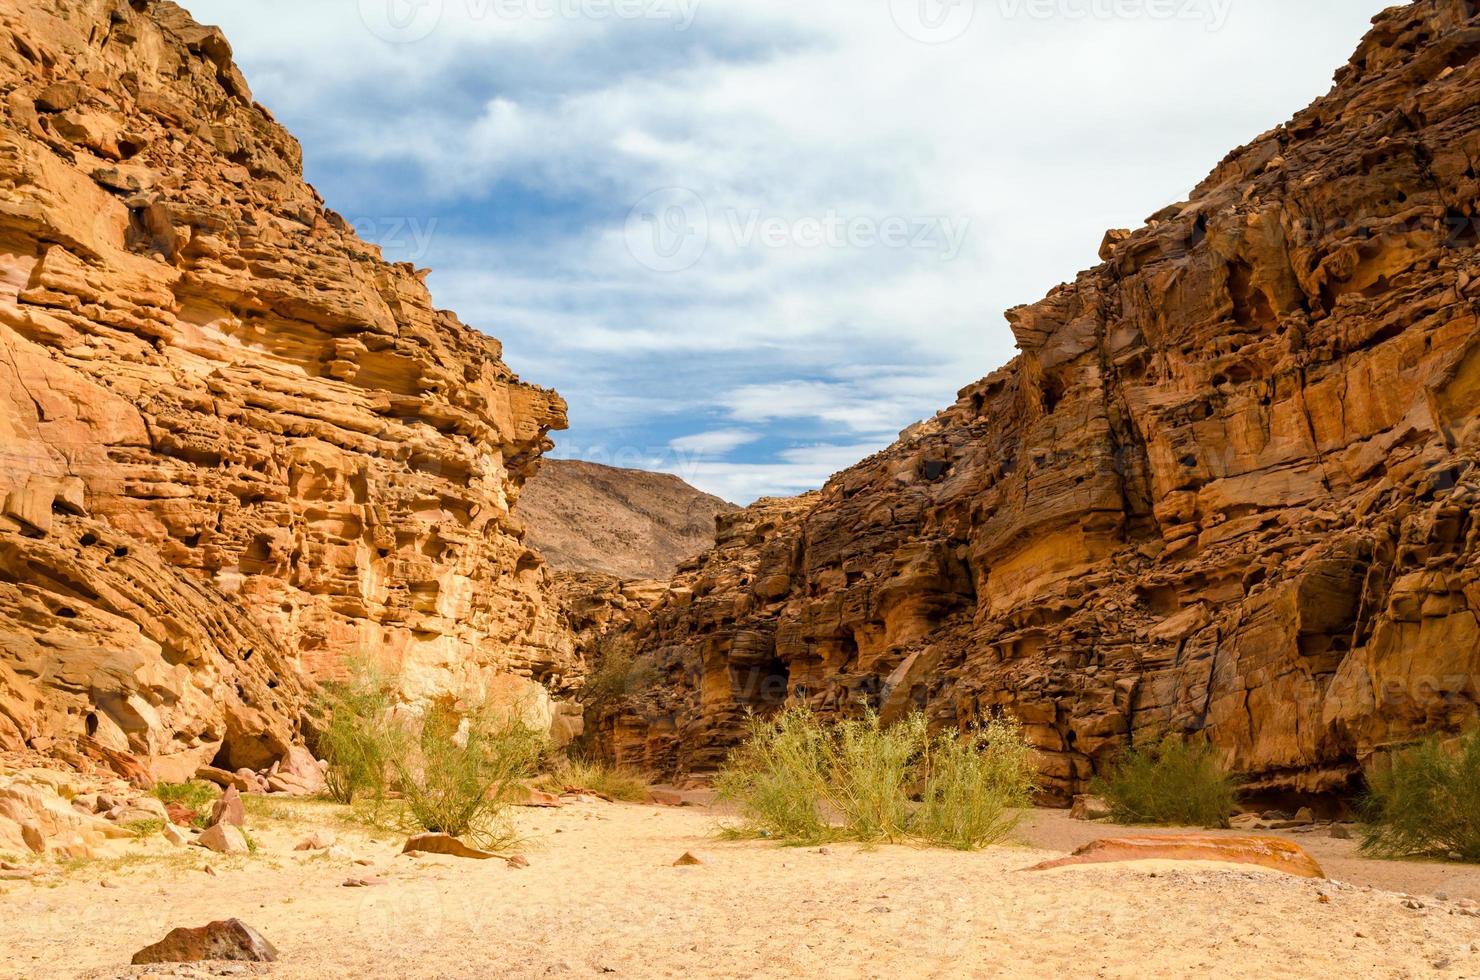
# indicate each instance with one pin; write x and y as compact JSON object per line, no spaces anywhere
{"x":1228,"y":487}
{"x":239,"y":449}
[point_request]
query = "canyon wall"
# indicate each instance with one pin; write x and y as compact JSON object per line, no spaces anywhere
{"x":238,"y":447}
{"x":1229,"y":486}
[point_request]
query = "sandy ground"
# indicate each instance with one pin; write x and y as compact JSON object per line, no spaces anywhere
{"x":601,"y":897}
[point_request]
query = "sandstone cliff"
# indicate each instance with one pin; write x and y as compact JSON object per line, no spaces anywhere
{"x":584,"y":517}
{"x":1229,"y":486}
{"x":238,"y":446}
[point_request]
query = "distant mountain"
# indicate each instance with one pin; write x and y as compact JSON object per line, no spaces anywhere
{"x":585,"y":517}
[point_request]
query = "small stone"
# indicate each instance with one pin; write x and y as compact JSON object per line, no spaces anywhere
{"x":316,"y":841}
{"x":688,"y":860}
{"x":518,"y":861}
{"x":369,"y":881}
{"x":824,"y":850}
{"x":1341,"y":831}
{"x":175,"y":835}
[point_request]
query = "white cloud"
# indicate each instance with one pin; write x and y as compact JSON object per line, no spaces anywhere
{"x":716,"y":442}
{"x":1031,"y":133}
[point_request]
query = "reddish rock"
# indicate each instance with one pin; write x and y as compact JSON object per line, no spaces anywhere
{"x":181,"y":815}
{"x":228,"y":939}
{"x":244,"y":782}
{"x":444,"y":844}
{"x":229,"y":809}
{"x":687,"y":860}
{"x":1266,"y":852}
{"x":224,"y":838}
{"x":317,"y":841}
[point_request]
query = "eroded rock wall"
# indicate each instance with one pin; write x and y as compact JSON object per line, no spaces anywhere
{"x":1229,"y":486}
{"x":238,"y":447}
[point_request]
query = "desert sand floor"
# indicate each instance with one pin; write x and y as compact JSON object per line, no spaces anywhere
{"x":601,"y":896}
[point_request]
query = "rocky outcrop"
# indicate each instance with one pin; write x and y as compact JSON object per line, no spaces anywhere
{"x":239,"y":447}
{"x":585,"y":517}
{"x":1229,"y":486}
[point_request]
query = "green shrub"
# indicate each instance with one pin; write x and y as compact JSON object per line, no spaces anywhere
{"x":799,"y":781}
{"x":1176,"y":782}
{"x":145,"y":828}
{"x":778,"y":778}
{"x":360,"y":736}
{"x":616,"y":674}
{"x":195,"y":795}
{"x":976,"y":787}
{"x":1426,"y":802}
{"x":462,"y":768}
{"x":617,"y":782}
{"x":869,"y":769}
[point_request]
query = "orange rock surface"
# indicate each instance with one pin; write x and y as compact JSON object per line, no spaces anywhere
{"x":1265,"y":852}
{"x":238,"y":447}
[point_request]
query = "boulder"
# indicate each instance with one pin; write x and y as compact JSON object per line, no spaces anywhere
{"x":224,"y":838}
{"x":228,"y":809}
{"x":1089,"y":808}
{"x":227,"y":940}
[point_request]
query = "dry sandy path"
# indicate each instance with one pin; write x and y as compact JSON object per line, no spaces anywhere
{"x":601,"y":897}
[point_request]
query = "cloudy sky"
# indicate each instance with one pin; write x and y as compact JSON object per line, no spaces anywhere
{"x":751,"y":240}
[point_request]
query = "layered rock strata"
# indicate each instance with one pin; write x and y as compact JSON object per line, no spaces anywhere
{"x":238,"y":447}
{"x":1228,"y":488}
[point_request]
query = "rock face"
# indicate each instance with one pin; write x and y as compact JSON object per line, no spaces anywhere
{"x":584,"y":517}
{"x":1229,"y":487}
{"x":239,"y":448}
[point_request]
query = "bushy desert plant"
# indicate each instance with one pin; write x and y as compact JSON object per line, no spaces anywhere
{"x":1426,"y":802}
{"x":800,"y":781}
{"x":778,"y":778}
{"x":617,"y":672}
{"x":1177,"y":782}
{"x":461,"y":772}
{"x":869,"y":769}
{"x":360,"y":736}
{"x":976,"y":787}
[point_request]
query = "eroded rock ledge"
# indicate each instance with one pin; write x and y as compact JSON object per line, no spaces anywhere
{"x":238,"y":447}
{"x":1230,"y":484}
